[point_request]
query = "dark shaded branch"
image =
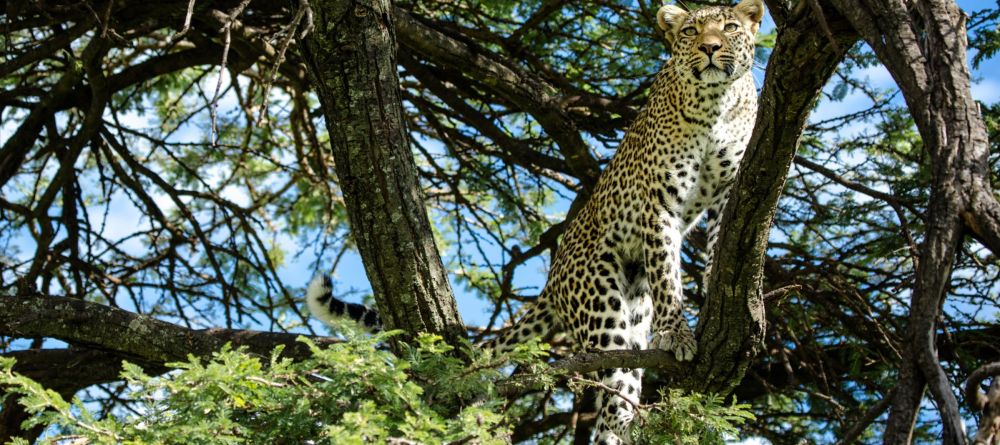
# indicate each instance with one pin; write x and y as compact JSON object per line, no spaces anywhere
{"x":531,"y":94}
{"x":16,"y":149}
{"x":862,"y":424}
{"x":125,"y":333}
{"x":45,"y":49}
{"x":731,"y":323}
{"x":515,"y":151}
{"x":526,"y":430}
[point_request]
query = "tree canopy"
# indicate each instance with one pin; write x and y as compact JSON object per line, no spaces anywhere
{"x":172,"y":173}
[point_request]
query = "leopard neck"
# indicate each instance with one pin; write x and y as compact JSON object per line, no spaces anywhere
{"x":706,"y":102}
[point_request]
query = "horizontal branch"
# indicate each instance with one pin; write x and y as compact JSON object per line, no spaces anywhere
{"x":110,"y":335}
{"x":594,"y":361}
{"x":145,"y":339}
{"x":129,"y":334}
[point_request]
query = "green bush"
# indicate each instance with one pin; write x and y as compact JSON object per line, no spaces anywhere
{"x":355,"y":392}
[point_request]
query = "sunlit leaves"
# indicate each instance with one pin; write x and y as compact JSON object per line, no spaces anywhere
{"x":692,"y":419}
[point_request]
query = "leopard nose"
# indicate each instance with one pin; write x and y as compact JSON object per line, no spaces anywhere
{"x":709,"y":48}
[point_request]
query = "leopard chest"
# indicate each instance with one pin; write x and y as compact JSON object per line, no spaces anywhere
{"x":675,"y":160}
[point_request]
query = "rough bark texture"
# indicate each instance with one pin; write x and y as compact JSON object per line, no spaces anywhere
{"x":924,"y":48}
{"x":128,"y":334}
{"x":731,"y":324}
{"x":351,"y":57}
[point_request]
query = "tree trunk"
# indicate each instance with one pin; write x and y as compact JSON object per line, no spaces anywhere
{"x":351,"y":59}
{"x":924,"y":48}
{"x":731,"y":323}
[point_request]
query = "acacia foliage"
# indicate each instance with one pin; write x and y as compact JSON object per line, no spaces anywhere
{"x":120,"y":111}
{"x":353,"y":392}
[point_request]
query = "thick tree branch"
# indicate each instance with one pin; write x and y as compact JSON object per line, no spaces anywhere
{"x":731,"y":324}
{"x":128,"y":334}
{"x":352,"y":62}
{"x":974,"y":395}
{"x":594,"y":361}
{"x":983,"y":219}
{"x":925,"y":51}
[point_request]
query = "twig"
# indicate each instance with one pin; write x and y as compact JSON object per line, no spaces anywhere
{"x":613,"y":391}
{"x":776,"y":296}
{"x":227,"y":30}
{"x":285,"y":43}
{"x":862,"y":424}
{"x":187,"y":23}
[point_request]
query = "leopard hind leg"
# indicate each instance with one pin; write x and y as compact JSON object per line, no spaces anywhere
{"x":617,"y":317}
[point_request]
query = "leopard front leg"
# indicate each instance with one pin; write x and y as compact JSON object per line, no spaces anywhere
{"x":661,"y":252}
{"x":713,"y":216}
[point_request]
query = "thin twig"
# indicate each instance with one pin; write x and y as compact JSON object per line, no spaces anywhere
{"x":862,"y":424}
{"x":613,"y":391}
{"x":285,"y":43}
{"x":227,"y":30}
{"x":187,"y":23}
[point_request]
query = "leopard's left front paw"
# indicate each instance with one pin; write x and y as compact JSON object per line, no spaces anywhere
{"x":679,"y":341}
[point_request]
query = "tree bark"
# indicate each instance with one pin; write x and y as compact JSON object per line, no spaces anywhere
{"x":731,"y":323}
{"x":351,"y":58}
{"x":924,"y":48}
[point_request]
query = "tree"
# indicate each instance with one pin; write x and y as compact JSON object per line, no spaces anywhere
{"x":352,"y":62}
{"x":854,"y":268}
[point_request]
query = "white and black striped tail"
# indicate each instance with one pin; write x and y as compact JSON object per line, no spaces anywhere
{"x":327,"y":308}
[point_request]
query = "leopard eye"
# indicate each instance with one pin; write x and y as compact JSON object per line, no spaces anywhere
{"x":689,"y":31}
{"x":730,"y":27}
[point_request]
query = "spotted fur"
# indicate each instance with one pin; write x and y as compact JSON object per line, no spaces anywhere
{"x":616,"y":279}
{"x":615,"y":282}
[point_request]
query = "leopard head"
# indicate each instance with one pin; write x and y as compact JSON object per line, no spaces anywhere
{"x":714,"y":44}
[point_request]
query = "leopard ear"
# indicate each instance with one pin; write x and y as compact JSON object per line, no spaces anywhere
{"x":752,"y":11}
{"x":669,"y":17}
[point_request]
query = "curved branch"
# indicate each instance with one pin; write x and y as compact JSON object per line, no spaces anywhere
{"x":983,"y":218}
{"x":527,"y":91}
{"x":974,"y":396}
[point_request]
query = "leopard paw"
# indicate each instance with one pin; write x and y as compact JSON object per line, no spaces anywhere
{"x":679,"y":341}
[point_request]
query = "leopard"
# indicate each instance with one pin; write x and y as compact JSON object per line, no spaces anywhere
{"x":615,"y":280}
